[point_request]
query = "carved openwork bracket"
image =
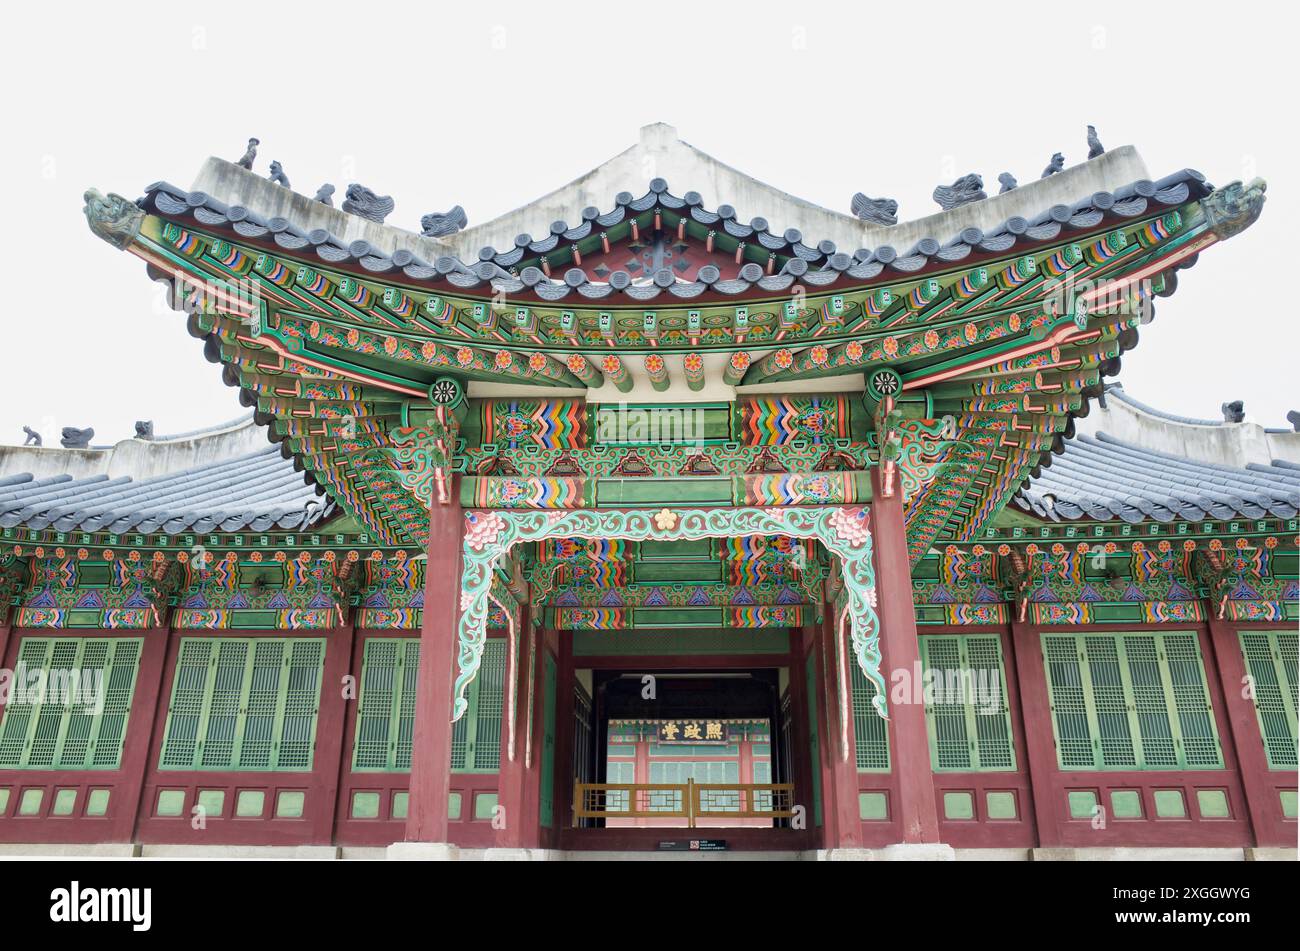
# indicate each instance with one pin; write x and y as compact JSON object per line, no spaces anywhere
{"x":489,"y":536}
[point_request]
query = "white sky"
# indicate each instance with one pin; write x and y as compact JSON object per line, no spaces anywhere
{"x":492,"y":105}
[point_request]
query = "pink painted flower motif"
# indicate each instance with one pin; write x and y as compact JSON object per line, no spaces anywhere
{"x":891,"y":346}
{"x":482,"y":529}
{"x":466,"y":600}
{"x":872,"y":598}
{"x":850,"y":525}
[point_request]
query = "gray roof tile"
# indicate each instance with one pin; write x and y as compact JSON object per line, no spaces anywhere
{"x":256,"y":492}
{"x":1103,"y":478}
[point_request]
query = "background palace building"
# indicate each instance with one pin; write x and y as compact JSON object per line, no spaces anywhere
{"x":815,"y":534}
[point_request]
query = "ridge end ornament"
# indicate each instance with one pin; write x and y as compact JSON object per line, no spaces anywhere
{"x":964,"y":191}
{"x":1095,"y":148}
{"x":1233,"y":208}
{"x":250,"y":155}
{"x":877,"y":211}
{"x":364,"y":203}
{"x":277,"y":175}
{"x":112,"y":217}
{"x":443,"y":224}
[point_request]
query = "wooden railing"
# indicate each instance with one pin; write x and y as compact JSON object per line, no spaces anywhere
{"x":689,"y":800}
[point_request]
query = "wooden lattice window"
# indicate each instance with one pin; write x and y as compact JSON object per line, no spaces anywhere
{"x":1130,"y":701}
{"x":476,"y":736}
{"x":77,"y":720}
{"x":1271,"y":663}
{"x":386,"y":704}
{"x":870,"y":731}
{"x":966,"y":707}
{"x":700,"y":771}
{"x":244,"y":703}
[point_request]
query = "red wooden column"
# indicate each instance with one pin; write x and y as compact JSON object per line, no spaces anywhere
{"x":327,"y":764}
{"x":908,"y":742}
{"x":5,"y":628}
{"x":148,"y":718}
{"x":1036,"y":724}
{"x":1262,"y":800}
{"x":823,"y":764}
{"x":530,"y":733}
{"x":842,"y":771}
{"x":565,"y":739}
{"x":801,"y":762}
{"x":431,"y":742}
{"x":513,"y":773}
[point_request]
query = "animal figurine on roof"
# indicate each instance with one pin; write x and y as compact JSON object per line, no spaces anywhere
{"x":878,"y":211}
{"x":144,"y":429}
{"x":246,"y":160}
{"x":1095,"y":147}
{"x":1055,"y":165}
{"x":1007,"y":181}
{"x":436,"y":225}
{"x":1234,"y":412}
{"x":277,"y":175}
{"x":33,"y":437}
{"x":965,"y":190}
{"x":325,"y":194}
{"x":74,"y":438}
{"x":1293,"y":417}
{"x":364,"y":203}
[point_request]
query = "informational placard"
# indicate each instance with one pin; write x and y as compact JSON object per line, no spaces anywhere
{"x":693,"y":845}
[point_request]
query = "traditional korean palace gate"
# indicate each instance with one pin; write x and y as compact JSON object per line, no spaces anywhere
{"x":662,"y":442}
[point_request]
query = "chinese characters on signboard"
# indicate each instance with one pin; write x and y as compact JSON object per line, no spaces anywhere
{"x":698,"y":731}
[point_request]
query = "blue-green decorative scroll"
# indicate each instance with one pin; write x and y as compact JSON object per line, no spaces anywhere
{"x":843,"y":530}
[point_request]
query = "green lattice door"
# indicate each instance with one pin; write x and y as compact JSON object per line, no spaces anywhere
{"x":96,"y":676}
{"x":1271,"y":662}
{"x":476,"y":736}
{"x":386,"y":705}
{"x":248,"y":703}
{"x":966,"y":711}
{"x":1130,"y":701}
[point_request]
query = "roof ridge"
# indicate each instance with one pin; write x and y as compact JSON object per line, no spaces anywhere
{"x":818,"y":265}
{"x":1117,"y":390}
